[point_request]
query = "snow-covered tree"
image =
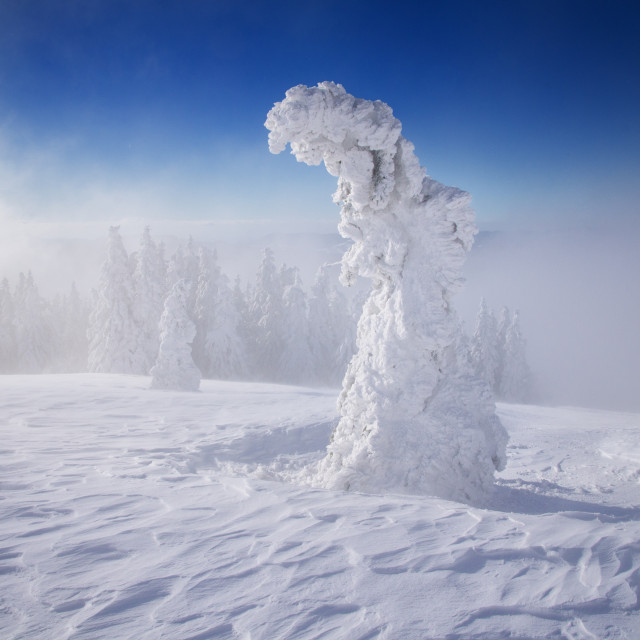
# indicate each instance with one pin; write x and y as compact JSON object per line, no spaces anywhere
{"x":149,"y":283}
{"x":218,"y":349}
{"x":204,"y":306}
{"x":7,"y":329}
{"x":485,"y":356}
{"x":185,"y":265}
{"x":501,"y":340}
{"x":331,"y":329}
{"x":515,"y":381}
{"x":295,"y":364}
{"x":266,"y":319}
{"x":413,"y":417}
{"x":225,"y":346}
{"x":70,"y":315}
{"x":32,"y":327}
{"x":174,"y":367}
{"x":177,"y":268}
{"x":112,"y":326}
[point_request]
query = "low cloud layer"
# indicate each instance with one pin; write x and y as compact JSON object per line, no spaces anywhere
{"x":579,"y":301}
{"x":576,"y":291}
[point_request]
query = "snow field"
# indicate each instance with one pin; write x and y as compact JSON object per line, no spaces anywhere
{"x":127,"y":512}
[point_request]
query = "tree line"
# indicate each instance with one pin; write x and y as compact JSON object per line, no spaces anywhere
{"x":271,"y":329}
{"x":498,"y":354}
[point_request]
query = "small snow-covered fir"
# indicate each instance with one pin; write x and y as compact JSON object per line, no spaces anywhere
{"x":515,"y":379}
{"x":112,"y":326}
{"x":148,"y":299}
{"x":174,"y":367}
{"x":498,"y":355}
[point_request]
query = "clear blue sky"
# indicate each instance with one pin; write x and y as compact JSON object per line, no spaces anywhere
{"x":157,"y":108}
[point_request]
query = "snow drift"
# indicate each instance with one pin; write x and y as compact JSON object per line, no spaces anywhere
{"x":413,"y":416}
{"x":119,"y":519}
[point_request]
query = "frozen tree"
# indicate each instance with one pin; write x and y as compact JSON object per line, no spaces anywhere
{"x":177,"y":269}
{"x":485,"y":356}
{"x":112,"y":326}
{"x":413,"y":417}
{"x":225,"y":346}
{"x":265,"y":316}
{"x":70,"y":318}
{"x":218,"y":349}
{"x":295,"y":365}
{"x":33,"y":332}
{"x":501,"y":340}
{"x":174,"y":367}
{"x":331,"y":329}
{"x":515,"y":382}
{"x":323,"y":332}
{"x":7,"y":329}
{"x":149,"y":280}
{"x":240,"y":305}
{"x":185,"y":265}
{"x":204,"y":307}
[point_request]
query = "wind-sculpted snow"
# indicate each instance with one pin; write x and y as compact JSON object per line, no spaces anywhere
{"x":127,"y":513}
{"x":413,"y":417}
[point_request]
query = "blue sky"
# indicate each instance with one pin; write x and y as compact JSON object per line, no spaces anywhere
{"x":133,"y":107}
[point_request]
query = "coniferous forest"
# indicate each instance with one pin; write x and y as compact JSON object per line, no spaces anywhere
{"x":270,"y":329}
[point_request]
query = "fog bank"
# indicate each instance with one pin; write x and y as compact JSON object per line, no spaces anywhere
{"x":579,"y":300}
{"x":576,"y":290}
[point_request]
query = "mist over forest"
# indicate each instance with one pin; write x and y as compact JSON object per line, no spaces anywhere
{"x":575,"y":291}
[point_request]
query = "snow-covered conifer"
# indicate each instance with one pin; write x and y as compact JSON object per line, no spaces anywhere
{"x":295,"y":365}
{"x":206,"y":291}
{"x":412,"y":420}
{"x":225,"y":345}
{"x":331,"y":329}
{"x":177,"y":268}
{"x":70,"y":318}
{"x":149,"y":292}
{"x":32,"y":327}
{"x":501,"y":340}
{"x":112,"y":326}
{"x":484,"y":346}
{"x":515,"y":382}
{"x":185,"y":265}
{"x":266,"y":315}
{"x":174,"y":367}
{"x":7,"y":329}
{"x":240,"y":300}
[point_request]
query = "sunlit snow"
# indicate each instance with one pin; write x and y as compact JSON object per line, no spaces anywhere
{"x":132,"y":513}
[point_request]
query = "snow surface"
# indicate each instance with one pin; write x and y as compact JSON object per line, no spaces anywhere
{"x":127,"y":512}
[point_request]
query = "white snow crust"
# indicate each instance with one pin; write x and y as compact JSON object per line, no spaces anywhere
{"x":413,"y":417}
{"x":126,"y":512}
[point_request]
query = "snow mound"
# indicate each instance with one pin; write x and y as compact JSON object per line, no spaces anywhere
{"x":414,"y":419}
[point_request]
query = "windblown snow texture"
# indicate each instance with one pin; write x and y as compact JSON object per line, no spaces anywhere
{"x":413,"y":416}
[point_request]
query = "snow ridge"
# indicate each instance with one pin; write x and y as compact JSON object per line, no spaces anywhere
{"x":414,"y":418}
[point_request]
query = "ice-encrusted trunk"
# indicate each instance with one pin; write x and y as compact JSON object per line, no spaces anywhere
{"x":413,"y":416}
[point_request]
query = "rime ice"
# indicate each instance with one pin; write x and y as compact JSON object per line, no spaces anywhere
{"x":413,"y":417}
